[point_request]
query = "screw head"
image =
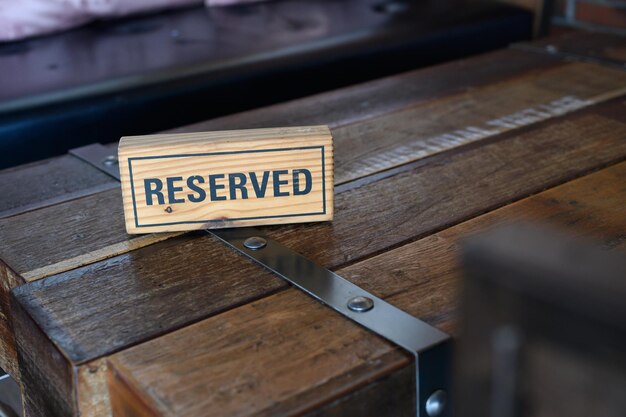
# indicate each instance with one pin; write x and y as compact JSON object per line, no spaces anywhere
{"x":110,"y":160}
{"x":552,"y":49}
{"x":255,"y":243}
{"x":360,"y":304}
{"x":436,"y":403}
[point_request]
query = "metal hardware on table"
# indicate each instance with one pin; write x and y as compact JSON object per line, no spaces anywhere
{"x":255,"y":243}
{"x":436,"y":403}
{"x":430,"y":346}
{"x":360,"y":304}
{"x":10,"y":397}
{"x":100,"y":157}
{"x":110,"y":160}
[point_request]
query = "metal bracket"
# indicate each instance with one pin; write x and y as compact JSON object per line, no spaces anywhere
{"x":10,"y":397}
{"x":100,"y":157}
{"x":430,"y":346}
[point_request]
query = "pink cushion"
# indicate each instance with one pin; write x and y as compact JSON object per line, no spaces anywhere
{"x":21,"y":19}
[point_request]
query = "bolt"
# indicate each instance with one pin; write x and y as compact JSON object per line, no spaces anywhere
{"x":436,"y":403}
{"x":552,"y":49}
{"x":255,"y":243}
{"x":110,"y":160}
{"x":360,"y":304}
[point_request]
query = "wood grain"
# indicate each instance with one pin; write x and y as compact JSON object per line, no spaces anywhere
{"x":64,"y":178}
{"x":67,"y":177}
{"x":91,"y":225}
{"x":91,"y":229}
{"x":259,"y":358}
{"x":386,"y":95}
{"x":153,"y":297}
{"x":49,"y":182}
{"x":242,"y":178}
{"x":404,"y":136}
{"x":596,"y":47}
{"x":49,"y":375}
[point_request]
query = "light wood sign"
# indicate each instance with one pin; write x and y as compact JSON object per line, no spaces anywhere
{"x":226,"y":179}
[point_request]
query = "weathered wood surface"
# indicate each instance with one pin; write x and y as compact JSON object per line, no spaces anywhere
{"x":601,"y":48}
{"x":360,"y":149}
{"x":372,"y":215}
{"x":284,"y":354}
{"x":352,"y":104}
{"x":66,"y":177}
{"x":92,"y":229}
{"x":49,"y":182}
{"x":41,"y":359}
{"x":60,"y":179}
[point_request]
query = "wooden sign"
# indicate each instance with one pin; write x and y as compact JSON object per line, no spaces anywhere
{"x":221,"y":179}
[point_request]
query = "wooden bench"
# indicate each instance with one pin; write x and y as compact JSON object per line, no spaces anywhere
{"x":177,"y":324}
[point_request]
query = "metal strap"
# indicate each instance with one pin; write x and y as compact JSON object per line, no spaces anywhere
{"x":430,"y":346}
{"x":100,"y":157}
{"x":10,"y":397}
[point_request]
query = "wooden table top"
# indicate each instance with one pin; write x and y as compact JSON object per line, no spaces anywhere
{"x":97,"y":322}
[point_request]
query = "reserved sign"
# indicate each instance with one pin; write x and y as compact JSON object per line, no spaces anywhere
{"x":226,"y":179}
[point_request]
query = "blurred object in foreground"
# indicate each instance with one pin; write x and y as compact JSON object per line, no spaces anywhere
{"x":27,"y":18}
{"x":544,"y":331}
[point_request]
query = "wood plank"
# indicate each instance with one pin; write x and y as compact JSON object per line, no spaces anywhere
{"x":91,"y":230}
{"x":227,"y":178}
{"x":603,"y":48}
{"x":386,"y":95}
{"x":64,"y":178}
{"x":49,"y":374}
{"x":59,"y":179}
{"x":49,"y":182}
{"x":404,"y":136}
{"x":155,"y":297}
{"x":360,"y":149}
{"x":283,"y":355}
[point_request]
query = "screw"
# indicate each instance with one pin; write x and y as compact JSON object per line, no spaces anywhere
{"x":110,"y":160}
{"x":436,"y":403}
{"x":552,"y":49}
{"x":360,"y":304}
{"x":255,"y":243}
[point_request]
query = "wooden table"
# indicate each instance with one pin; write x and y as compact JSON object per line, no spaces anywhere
{"x":98,"y":321}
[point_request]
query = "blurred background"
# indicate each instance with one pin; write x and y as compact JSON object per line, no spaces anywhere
{"x":79,"y":72}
